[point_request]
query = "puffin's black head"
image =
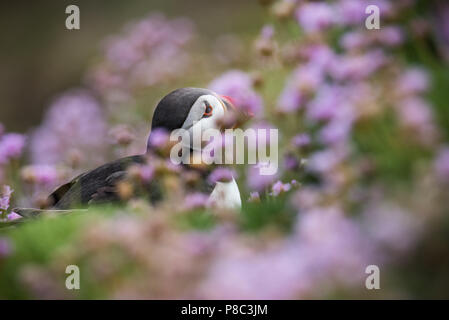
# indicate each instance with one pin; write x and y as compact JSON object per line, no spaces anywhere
{"x":187,"y":107}
{"x":173,"y":109}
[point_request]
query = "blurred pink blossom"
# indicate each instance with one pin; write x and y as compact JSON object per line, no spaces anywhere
{"x":412,"y":81}
{"x":159,"y":138}
{"x":392,"y":226}
{"x":316,"y":16}
{"x":301,"y":140}
{"x":11,"y":146}
{"x":351,"y":12}
{"x":147,"y":52}
{"x":238,"y":85}
{"x":416,"y":114}
{"x":357,"y":67}
{"x":222,"y":175}
{"x":42,"y":175}
{"x":390,"y":36}
{"x":326,"y":160}
{"x":74,"y":126}
{"x":5,"y":196}
{"x":13,"y":216}
{"x":195,"y":201}
{"x":256,"y":181}
{"x":354,"y":40}
{"x":279,"y":188}
{"x":254,"y":196}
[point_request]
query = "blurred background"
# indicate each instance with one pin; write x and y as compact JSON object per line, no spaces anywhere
{"x":41,"y":58}
{"x":363,"y":124}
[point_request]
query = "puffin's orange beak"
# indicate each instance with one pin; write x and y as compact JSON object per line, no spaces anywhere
{"x":231,"y":105}
{"x":235,"y":117}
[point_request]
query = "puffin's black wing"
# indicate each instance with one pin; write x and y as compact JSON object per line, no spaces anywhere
{"x":60,"y":192}
{"x":53,"y":198}
{"x":94,"y":186}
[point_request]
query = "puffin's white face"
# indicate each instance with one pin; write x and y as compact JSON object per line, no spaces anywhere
{"x":204,"y":114}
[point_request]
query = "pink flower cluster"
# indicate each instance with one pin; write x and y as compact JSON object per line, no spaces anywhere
{"x":5,"y":198}
{"x":11,"y":148}
{"x":148,"y":52}
{"x":238,"y":85}
{"x":73,"y":132}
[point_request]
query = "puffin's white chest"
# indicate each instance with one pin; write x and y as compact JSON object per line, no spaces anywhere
{"x":226,"y":195}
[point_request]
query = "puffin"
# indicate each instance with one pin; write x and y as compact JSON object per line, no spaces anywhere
{"x":183,"y":108}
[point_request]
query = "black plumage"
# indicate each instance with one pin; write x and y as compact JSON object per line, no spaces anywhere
{"x":100,"y":185}
{"x":94,"y":186}
{"x":172,"y":110}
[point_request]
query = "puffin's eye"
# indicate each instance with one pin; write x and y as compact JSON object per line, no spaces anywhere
{"x":208,"y":111}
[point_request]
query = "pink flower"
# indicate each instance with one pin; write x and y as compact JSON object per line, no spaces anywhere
{"x":352,"y":12}
{"x":320,"y":56}
{"x":290,"y":162}
{"x":336,"y":131}
{"x":238,"y":85}
{"x":143,"y":172}
{"x":326,"y":160}
{"x":256,"y":181}
{"x":267,"y":32}
{"x":413,"y":80}
{"x":279,"y":188}
{"x":290,"y":99}
{"x":262,"y":129}
{"x":11,"y":146}
{"x":74,"y":124}
{"x":148,"y":52}
{"x":5,"y":197}
{"x":340,"y":250}
{"x":221,"y":175}
{"x":43,"y":175}
{"x":13,"y":216}
{"x":307,"y":198}
{"x":354,"y":40}
{"x":326,"y":249}
{"x":305,"y":79}
{"x":309,"y":77}
{"x":316,"y":16}
{"x":357,"y":67}
{"x":195,"y":201}
{"x":401,"y":231}
{"x":416,"y":114}
{"x":301,"y":140}
{"x":254,"y":197}
{"x":243,"y":274}
{"x":390,"y":36}
{"x":324,"y":106}
{"x":159,"y":138}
